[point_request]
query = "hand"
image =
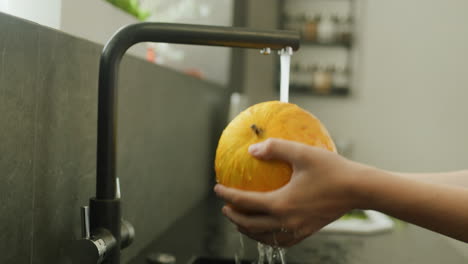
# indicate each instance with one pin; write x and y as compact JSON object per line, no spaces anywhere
{"x":319,"y":192}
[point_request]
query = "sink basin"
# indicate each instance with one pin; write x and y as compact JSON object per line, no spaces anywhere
{"x":220,"y":260}
{"x":215,"y":260}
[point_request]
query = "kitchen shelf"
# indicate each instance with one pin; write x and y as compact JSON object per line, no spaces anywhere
{"x":302,"y":89}
{"x":308,"y":89}
{"x":325,"y":62}
{"x":346,"y":45}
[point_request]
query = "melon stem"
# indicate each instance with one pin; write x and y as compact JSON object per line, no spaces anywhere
{"x":258,"y":131}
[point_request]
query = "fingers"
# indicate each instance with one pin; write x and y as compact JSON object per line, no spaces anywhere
{"x":246,"y":201}
{"x":279,"y":149}
{"x":255,"y":224}
{"x":264,"y":228}
{"x":276,"y":239}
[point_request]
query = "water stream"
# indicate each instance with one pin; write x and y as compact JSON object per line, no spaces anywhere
{"x":270,"y":254}
{"x":275,"y":254}
{"x":285,"y":60}
{"x":239,"y":255}
{"x":266,"y":253}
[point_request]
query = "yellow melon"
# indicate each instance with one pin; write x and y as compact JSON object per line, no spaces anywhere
{"x":236,"y":168}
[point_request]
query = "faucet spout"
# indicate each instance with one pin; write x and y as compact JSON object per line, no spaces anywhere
{"x":168,"y":33}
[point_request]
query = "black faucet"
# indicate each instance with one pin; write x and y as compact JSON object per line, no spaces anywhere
{"x":104,"y":232}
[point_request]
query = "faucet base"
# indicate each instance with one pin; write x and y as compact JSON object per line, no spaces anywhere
{"x":102,"y":215}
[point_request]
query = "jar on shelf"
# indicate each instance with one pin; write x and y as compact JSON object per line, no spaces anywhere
{"x":341,"y":77}
{"x":309,"y":28}
{"x":336,"y":24}
{"x":344,"y":31}
{"x":322,"y":80}
{"x":326,"y":29}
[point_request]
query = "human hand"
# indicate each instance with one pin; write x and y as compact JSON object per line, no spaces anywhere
{"x":319,"y":192}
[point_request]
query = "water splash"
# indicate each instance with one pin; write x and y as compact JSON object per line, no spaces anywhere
{"x":282,"y":255}
{"x":261,"y":253}
{"x":272,"y":254}
{"x":239,"y":255}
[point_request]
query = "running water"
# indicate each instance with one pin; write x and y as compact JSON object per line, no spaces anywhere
{"x":285,"y":59}
{"x":272,"y":255}
{"x":261,"y":253}
{"x":275,"y":254}
{"x":240,"y":252}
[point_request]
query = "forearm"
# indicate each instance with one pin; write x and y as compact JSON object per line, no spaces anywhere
{"x":459,"y":178}
{"x":438,"y":207}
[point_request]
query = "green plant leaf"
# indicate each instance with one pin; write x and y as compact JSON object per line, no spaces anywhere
{"x":132,"y":7}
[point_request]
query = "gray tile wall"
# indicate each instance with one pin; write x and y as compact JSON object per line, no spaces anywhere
{"x":168,"y":126}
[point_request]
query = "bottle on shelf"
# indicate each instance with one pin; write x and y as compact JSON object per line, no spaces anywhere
{"x":336,"y":24}
{"x":341,"y":77}
{"x":344,"y":32}
{"x":326,"y":29}
{"x":322,"y":79}
{"x":309,"y":29}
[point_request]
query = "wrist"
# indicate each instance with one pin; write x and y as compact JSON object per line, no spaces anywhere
{"x":364,"y":183}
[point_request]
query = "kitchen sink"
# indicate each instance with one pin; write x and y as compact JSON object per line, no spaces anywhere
{"x":216,"y":260}
{"x":221,"y":260}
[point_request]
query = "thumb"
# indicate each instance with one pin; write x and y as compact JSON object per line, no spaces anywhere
{"x":279,"y":149}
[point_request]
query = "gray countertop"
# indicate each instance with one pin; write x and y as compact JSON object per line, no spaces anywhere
{"x":205,"y":232}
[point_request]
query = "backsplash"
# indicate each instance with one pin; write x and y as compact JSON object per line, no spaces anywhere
{"x":168,"y":126}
